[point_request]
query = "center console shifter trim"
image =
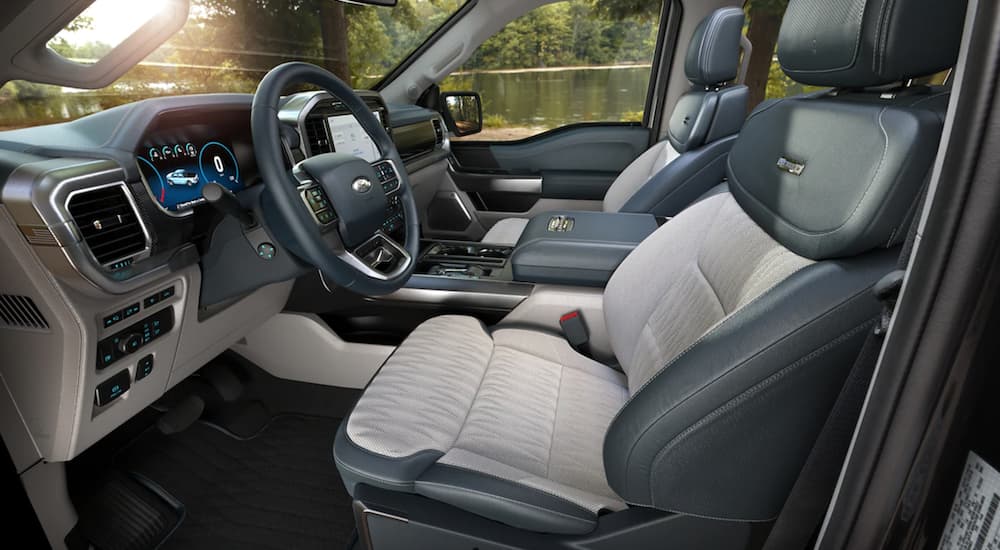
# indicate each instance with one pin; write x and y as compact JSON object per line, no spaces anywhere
{"x":456,"y":298}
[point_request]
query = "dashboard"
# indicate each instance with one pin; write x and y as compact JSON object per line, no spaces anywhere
{"x":130,"y":283}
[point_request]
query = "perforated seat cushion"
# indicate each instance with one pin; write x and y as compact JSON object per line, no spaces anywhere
{"x":517,"y":405}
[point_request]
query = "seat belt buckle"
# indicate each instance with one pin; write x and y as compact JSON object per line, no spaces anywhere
{"x":575,"y":330}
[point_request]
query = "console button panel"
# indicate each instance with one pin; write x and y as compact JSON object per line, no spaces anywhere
{"x":112,"y":388}
{"x":134,"y":337}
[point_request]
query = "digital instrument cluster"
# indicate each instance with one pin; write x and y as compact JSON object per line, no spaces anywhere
{"x":183,"y":150}
{"x":176,"y":172}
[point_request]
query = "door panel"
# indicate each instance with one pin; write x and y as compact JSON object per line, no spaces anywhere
{"x":602,"y":147}
{"x":568,"y":168}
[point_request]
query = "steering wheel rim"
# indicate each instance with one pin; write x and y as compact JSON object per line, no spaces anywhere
{"x":333,"y":247}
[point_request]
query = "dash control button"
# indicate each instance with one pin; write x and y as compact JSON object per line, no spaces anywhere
{"x":265,"y":251}
{"x":112,"y":319}
{"x":112,"y":388}
{"x":130,"y":310}
{"x":144,"y":367}
{"x":166,"y":293}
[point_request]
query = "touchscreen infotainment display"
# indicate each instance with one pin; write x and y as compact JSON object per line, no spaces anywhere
{"x":349,"y":137}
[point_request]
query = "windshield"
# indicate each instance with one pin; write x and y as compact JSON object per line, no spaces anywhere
{"x":227,"y":46}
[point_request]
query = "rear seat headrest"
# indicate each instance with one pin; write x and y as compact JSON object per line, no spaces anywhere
{"x":863,"y":43}
{"x":713,"y":56}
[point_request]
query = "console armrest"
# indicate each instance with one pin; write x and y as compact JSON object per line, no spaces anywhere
{"x":577,"y":248}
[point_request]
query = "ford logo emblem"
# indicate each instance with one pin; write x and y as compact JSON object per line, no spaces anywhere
{"x":361,"y":185}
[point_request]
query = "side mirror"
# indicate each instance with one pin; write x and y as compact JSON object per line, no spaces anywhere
{"x":463,"y":112}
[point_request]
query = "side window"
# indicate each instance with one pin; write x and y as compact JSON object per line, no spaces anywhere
{"x":563,"y":63}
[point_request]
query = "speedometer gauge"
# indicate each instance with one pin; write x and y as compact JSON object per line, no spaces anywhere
{"x":217,"y":163}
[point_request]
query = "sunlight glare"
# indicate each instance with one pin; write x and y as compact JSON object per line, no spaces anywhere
{"x":107,"y":23}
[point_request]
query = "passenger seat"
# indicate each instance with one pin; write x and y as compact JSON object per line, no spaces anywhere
{"x":702,"y":128}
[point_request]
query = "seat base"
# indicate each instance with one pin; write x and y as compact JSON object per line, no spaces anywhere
{"x":389,"y":520}
{"x":509,"y":425}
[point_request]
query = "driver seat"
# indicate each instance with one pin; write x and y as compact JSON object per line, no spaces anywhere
{"x":734,"y":325}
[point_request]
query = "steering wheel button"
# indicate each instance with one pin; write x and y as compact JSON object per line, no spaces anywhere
{"x":324,"y":216}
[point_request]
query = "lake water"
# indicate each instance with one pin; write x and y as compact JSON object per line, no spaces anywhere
{"x":535,"y":99}
{"x":553,"y":98}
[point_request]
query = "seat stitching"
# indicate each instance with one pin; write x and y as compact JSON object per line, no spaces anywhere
{"x":746,"y":395}
{"x":555,"y":421}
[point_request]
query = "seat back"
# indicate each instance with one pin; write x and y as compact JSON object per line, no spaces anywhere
{"x":675,"y":172}
{"x":737,"y":322}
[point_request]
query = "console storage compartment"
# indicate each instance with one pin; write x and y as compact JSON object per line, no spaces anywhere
{"x":464,"y":260}
{"x":577,"y":248}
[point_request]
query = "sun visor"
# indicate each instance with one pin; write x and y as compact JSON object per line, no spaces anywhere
{"x":34,"y":34}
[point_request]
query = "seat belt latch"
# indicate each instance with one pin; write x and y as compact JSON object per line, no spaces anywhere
{"x":575,"y":330}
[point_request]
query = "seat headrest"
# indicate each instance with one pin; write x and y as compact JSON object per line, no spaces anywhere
{"x":713,"y":56}
{"x":863,"y":43}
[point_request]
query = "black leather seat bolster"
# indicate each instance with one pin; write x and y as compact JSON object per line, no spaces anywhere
{"x":682,"y":181}
{"x":505,"y":501}
{"x":734,"y":451}
{"x":358,"y":465}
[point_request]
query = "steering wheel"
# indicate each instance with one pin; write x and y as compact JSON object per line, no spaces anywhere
{"x":329,"y":209}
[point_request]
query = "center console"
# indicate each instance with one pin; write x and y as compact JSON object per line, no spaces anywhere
{"x":563,"y":248}
{"x":577,"y":248}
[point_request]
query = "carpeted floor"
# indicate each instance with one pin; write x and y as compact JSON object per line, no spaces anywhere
{"x":279,"y":489}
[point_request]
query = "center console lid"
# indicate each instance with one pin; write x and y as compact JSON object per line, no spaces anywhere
{"x":577,"y":248}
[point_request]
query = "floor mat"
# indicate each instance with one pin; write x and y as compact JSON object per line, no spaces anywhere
{"x":279,"y":489}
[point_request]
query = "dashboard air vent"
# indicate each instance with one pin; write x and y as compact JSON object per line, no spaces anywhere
{"x":438,"y":131}
{"x":319,"y":142}
{"x":20,"y":312}
{"x":109,"y":225}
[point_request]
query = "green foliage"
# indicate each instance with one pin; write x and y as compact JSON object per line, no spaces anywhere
{"x":567,"y":34}
{"x":495,"y":121}
{"x":632,"y":116}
